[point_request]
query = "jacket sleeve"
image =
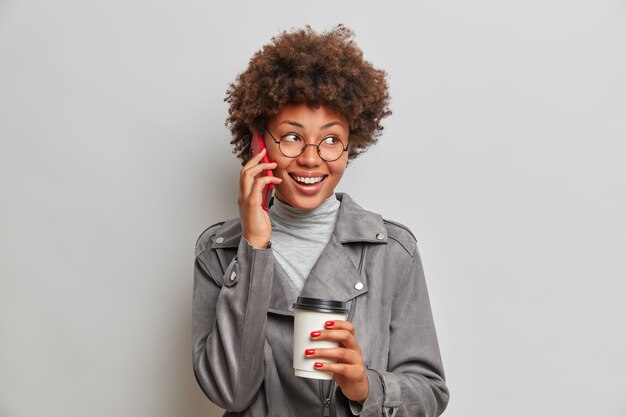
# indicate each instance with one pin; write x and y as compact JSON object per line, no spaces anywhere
{"x":414,"y":382}
{"x":229,"y":314}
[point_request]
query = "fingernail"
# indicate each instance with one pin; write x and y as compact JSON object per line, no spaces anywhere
{"x":309,"y":351}
{"x":318,"y":364}
{"x":330,"y":323}
{"x":315,"y":334}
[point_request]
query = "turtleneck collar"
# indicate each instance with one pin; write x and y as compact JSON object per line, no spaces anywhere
{"x":324,"y":213}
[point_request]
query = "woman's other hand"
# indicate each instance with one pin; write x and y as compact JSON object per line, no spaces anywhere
{"x":349,"y":371}
{"x":255,"y":222}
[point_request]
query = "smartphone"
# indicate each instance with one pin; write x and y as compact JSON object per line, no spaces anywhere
{"x":256,"y":146}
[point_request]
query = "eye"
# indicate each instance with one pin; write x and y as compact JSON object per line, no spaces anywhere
{"x":291,"y":138}
{"x":331,"y":140}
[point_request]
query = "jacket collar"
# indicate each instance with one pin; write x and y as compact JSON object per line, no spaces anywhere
{"x":354,"y":224}
{"x":335,"y":274}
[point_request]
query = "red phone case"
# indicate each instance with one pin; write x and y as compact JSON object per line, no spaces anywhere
{"x":256,"y":146}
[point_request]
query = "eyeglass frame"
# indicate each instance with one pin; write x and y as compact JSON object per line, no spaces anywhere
{"x":277,"y":141}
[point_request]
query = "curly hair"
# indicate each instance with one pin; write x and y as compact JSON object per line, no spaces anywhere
{"x":304,"y":66}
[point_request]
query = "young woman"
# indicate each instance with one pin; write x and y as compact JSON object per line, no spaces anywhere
{"x":317,"y":104}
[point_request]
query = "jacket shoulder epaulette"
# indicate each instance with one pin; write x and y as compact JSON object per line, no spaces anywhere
{"x":205,"y":236}
{"x":401,"y":234}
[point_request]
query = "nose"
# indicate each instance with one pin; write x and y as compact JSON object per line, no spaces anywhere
{"x":309,"y":157}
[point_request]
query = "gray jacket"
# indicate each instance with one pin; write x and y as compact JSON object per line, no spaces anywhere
{"x":243,"y":322}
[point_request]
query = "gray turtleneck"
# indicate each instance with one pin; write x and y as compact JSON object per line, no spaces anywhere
{"x":299,"y":236}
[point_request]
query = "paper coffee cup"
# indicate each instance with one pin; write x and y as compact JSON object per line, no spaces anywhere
{"x":310,"y":314}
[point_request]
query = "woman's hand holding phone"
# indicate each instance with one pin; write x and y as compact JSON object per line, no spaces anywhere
{"x":255,"y":222}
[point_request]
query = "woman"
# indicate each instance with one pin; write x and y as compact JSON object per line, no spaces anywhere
{"x":317,"y":104}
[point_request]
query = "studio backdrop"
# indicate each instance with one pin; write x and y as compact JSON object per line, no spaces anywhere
{"x":505,"y":155}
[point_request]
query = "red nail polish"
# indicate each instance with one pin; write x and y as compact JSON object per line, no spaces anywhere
{"x":330,"y":323}
{"x":315,"y":334}
{"x":309,"y":351}
{"x":318,"y":364}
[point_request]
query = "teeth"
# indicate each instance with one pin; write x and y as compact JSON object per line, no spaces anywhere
{"x":309,"y":180}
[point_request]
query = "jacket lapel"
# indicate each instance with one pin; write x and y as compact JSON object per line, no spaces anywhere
{"x":284,"y":294}
{"x":334,"y":276}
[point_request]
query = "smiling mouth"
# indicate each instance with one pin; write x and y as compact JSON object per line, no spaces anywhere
{"x":308,"y":180}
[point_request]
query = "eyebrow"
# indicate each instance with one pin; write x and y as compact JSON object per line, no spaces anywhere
{"x":326,"y":126}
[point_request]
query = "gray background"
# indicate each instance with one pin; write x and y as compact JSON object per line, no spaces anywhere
{"x":505,"y":155}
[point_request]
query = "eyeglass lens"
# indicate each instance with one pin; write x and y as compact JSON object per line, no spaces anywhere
{"x":329,"y":149}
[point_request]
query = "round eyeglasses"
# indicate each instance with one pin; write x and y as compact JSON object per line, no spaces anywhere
{"x":292,"y":145}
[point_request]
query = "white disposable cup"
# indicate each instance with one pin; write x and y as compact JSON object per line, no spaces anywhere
{"x":311,"y":314}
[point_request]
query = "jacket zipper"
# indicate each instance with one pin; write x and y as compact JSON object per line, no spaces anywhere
{"x":328,"y":399}
{"x":327,"y":407}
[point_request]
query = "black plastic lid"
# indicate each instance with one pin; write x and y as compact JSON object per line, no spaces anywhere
{"x":319,"y":304}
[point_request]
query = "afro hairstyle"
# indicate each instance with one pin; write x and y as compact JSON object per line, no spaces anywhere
{"x":317,"y":68}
